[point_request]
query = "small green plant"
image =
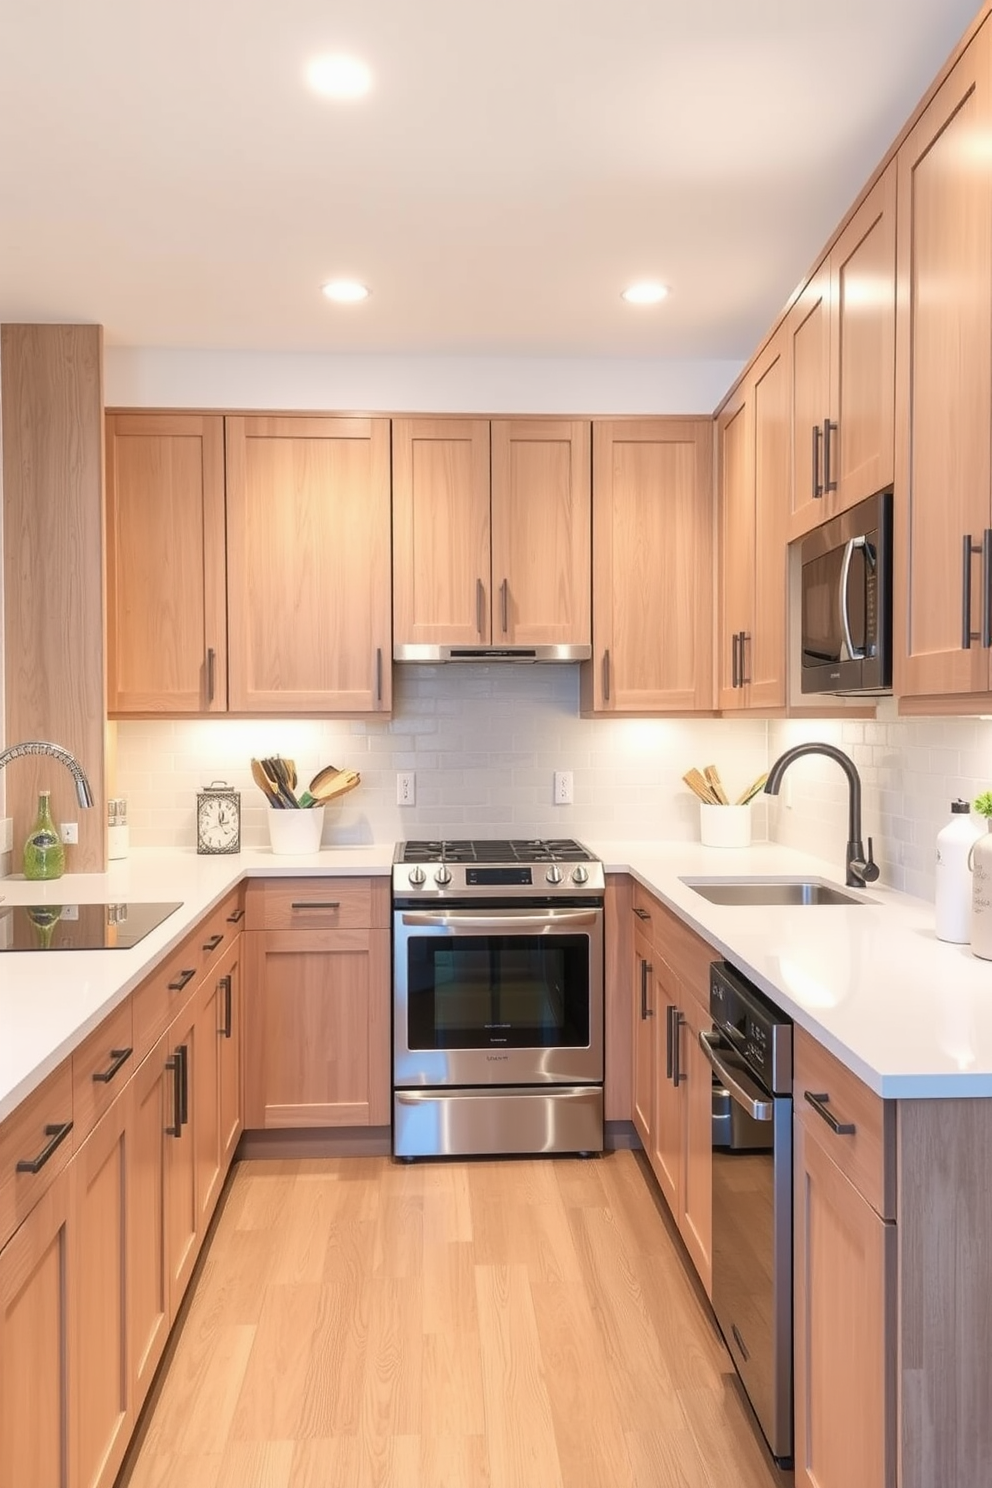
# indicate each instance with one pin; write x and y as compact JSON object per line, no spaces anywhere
{"x":983,"y":804}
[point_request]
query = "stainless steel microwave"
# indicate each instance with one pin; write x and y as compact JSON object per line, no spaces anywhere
{"x":846,"y":569}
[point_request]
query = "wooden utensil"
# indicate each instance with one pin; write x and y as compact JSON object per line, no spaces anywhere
{"x":714,"y":783}
{"x":699,"y":787}
{"x":264,"y":784}
{"x":337,"y":785}
{"x":277,"y":766}
{"x":753,"y":789}
{"x":286,"y":798}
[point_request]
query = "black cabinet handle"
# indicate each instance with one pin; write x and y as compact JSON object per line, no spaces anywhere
{"x":646,"y":1012}
{"x":735,"y":667}
{"x":677,"y":1020}
{"x":316,"y":904}
{"x":504,"y":604}
{"x":56,"y":1135}
{"x":819,"y":1104}
{"x":378,"y":674}
{"x":175,"y":1065}
{"x":236,"y":917}
{"x":182,"y":1054}
{"x":668,"y":1042}
{"x":213,"y":942}
{"x":211,"y":673}
{"x":745,"y":679}
{"x":480,"y":607}
{"x":226,"y":984}
{"x":828,"y":429}
{"x":641,"y":914}
{"x":120,"y":1057}
{"x":182,"y":980}
{"x":817,"y":483}
{"x":987,"y":588}
{"x":606,"y":676}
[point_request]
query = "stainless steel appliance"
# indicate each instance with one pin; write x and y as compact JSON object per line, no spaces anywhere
{"x":497,"y":998}
{"x":847,"y":601}
{"x":750,"y":1050}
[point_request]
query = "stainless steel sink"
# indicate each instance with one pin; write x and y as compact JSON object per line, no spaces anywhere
{"x":772,"y":891}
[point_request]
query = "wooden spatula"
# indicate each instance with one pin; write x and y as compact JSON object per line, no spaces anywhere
{"x":713,"y":781}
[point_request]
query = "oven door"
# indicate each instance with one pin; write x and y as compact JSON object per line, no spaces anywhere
{"x":497,"y":996}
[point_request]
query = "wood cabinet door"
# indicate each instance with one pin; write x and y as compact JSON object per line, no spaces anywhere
{"x":645,"y":1022}
{"x":151,"y":1094}
{"x":442,"y":583}
{"x":182,"y":1231}
{"x":862,"y":348}
{"x":36,"y":1285}
{"x":808,"y":333}
{"x":308,"y":553}
{"x":210,"y":1011}
{"x":765,"y":657}
{"x":696,"y":1199}
{"x":844,"y":1328}
{"x":230,"y":1060}
{"x":317,"y":1028}
{"x":944,"y":383}
{"x":653,"y":567}
{"x":542,"y":532}
{"x":166,"y":580}
{"x":100,"y":1374}
{"x":666,"y":1147}
{"x":735,"y":455}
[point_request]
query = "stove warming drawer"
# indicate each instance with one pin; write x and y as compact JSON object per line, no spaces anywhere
{"x":511,"y":1120}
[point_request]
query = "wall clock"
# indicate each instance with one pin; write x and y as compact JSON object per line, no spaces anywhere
{"x":218,"y":819}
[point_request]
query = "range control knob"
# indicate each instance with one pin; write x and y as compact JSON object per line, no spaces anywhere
{"x":443,"y":875}
{"x":580,"y":874}
{"x":417,"y":876}
{"x":553,"y":874}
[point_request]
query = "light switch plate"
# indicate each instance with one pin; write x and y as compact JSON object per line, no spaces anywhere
{"x":564,"y":795}
{"x":406,"y":788}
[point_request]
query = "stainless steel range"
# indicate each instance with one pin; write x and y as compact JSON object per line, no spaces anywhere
{"x":497,"y":998}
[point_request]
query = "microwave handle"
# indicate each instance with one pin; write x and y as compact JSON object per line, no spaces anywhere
{"x":845,"y":617}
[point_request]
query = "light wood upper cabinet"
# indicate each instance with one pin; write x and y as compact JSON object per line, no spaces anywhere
{"x":166,"y":587}
{"x":308,"y":554}
{"x":943,"y":492}
{"x":653,"y":565}
{"x":753,"y":450}
{"x":491,"y":533}
{"x":841,"y":333}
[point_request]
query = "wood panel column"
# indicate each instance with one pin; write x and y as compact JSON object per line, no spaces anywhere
{"x":51,"y":407}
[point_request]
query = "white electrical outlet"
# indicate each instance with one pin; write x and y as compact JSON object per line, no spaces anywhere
{"x":7,"y":834}
{"x":69,"y":832}
{"x":563,"y":788}
{"x":406,"y":788}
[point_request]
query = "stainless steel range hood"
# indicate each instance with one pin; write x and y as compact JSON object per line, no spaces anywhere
{"x":491,"y":653}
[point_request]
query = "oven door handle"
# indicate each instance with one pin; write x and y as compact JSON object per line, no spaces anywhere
{"x":744,"y":1091}
{"x":456,"y":920}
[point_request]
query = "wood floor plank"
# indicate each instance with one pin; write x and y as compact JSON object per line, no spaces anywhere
{"x":392,"y":1397}
{"x":174,"y":1470}
{"x":266,"y":1464}
{"x":452,"y":1392}
{"x":449,"y":1289}
{"x":520,"y":1428}
{"x":448,"y":1461}
{"x":335,"y":1368}
{"x":356,"y":1462}
{"x":270,"y":1405}
{"x":199,"y":1393}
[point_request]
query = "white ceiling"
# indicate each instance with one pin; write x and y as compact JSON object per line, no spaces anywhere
{"x":164,"y":171}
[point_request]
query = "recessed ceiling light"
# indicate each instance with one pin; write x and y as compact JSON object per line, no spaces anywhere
{"x":648,"y":292}
{"x":345,"y":291}
{"x":337,"y":76}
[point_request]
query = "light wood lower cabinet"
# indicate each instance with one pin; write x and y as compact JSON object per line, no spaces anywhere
{"x":36,"y":1278}
{"x":645,"y":1020}
{"x":151,"y":1095}
{"x":99,"y":1386}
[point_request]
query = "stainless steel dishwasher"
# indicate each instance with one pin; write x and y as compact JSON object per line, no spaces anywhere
{"x":750,"y":1049}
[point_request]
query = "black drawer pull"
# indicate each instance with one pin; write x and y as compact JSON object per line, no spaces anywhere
{"x":225,"y":982}
{"x":175,"y":1065}
{"x":316,"y":904}
{"x":120,"y":1058}
{"x":213,"y":942}
{"x":182,"y":980}
{"x":56,"y":1135}
{"x":819,"y":1104}
{"x":641,"y":914}
{"x":236,"y":917}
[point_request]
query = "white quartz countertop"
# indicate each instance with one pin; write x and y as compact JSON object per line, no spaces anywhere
{"x":50,"y":1002}
{"x":910,"y":1015}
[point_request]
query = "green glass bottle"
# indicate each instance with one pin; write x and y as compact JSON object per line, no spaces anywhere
{"x":44,"y":855}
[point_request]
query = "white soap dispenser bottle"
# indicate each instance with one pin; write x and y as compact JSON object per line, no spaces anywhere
{"x":952,"y":919}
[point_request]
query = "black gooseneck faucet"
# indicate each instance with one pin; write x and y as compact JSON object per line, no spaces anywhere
{"x":861,"y":867}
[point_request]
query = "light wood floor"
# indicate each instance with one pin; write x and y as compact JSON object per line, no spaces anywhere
{"x":447,"y":1325}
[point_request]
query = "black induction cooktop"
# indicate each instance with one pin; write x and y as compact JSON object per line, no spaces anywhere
{"x":79,"y":927}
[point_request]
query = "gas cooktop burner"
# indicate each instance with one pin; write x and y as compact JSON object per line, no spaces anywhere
{"x":527,"y":850}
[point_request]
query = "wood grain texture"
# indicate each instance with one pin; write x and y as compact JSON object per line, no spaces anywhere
{"x":943,"y":463}
{"x":90,"y":1097}
{"x":542,"y":531}
{"x":308,"y":554}
{"x":51,"y":405}
{"x":765,"y":662}
{"x":619,"y":992}
{"x":538,"y":1325}
{"x":150,"y":1094}
{"x":867,"y":1158}
{"x":22,"y":1137}
{"x":441,"y":532}
{"x":735,"y":507}
{"x":166,"y":564}
{"x":808,"y":333}
{"x":652,"y":568}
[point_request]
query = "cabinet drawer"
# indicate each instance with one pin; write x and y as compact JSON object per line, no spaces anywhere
{"x":685,"y":953}
{"x":101,"y":1067}
{"x":866,"y":1156}
{"x":171,"y":985}
{"x":309,"y":904}
{"x":25,"y":1137}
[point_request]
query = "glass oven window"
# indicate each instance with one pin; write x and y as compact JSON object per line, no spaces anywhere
{"x":498,"y":991}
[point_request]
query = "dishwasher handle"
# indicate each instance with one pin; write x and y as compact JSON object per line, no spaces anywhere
{"x":745,"y":1091}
